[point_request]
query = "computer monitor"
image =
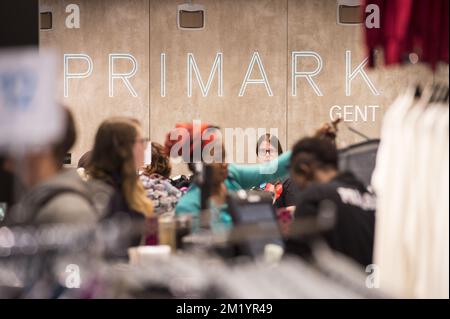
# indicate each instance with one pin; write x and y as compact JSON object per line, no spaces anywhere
{"x":255,"y":222}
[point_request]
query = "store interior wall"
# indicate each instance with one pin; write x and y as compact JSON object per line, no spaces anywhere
{"x":237,"y":29}
{"x":106,"y":26}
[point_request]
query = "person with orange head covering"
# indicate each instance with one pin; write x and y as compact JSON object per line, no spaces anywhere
{"x":204,"y":144}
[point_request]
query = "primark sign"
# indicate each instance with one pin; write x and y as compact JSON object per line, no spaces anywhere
{"x":254,"y":66}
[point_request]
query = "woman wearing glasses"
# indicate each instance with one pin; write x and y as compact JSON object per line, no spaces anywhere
{"x":269,"y":148}
{"x":117,"y":155}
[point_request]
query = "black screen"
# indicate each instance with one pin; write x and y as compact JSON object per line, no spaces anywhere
{"x":19,"y":23}
{"x":264,"y":225}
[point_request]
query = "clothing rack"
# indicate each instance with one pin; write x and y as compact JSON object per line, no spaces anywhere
{"x":411,"y":181}
{"x":187,"y":274}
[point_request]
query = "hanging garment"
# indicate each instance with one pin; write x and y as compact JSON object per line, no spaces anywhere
{"x":411,"y":182}
{"x":409,"y":26}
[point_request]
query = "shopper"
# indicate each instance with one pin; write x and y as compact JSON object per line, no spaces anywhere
{"x":55,"y":195}
{"x":268,"y":148}
{"x":314,"y":168}
{"x":225,"y":177}
{"x":156,"y":180}
{"x":117,"y":154}
{"x":285,"y":191}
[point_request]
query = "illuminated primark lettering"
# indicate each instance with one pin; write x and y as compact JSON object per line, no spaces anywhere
{"x":217,"y":66}
{"x":77,"y":75}
{"x":306,"y":74}
{"x":123,"y":76}
{"x":216,"y":70}
{"x":262,"y":80}
{"x":349,"y":75}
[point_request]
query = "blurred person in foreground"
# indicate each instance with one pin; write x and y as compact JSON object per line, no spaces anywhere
{"x":55,"y":194}
{"x":116,"y":157}
{"x":314,"y":168}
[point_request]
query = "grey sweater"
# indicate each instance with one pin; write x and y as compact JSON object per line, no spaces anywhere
{"x":73,"y":201}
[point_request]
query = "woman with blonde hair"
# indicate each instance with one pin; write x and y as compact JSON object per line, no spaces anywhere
{"x":117,"y":155}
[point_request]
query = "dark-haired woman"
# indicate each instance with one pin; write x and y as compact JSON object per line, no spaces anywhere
{"x":156,"y":180}
{"x":225,"y":177}
{"x":117,"y":155}
{"x":284,"y":191}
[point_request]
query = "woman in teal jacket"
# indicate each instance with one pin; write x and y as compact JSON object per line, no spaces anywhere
{"x":226,"y":177}
{"x":237,"y":177}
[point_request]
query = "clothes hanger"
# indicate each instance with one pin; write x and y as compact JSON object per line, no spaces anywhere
{"x":436,"y":90}
{"x":443,"y":97}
